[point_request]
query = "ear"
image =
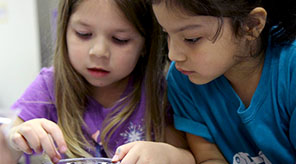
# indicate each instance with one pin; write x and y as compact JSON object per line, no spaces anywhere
{"x":255,"y":23}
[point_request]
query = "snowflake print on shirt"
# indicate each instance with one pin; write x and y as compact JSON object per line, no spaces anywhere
{"x":133,"y":133}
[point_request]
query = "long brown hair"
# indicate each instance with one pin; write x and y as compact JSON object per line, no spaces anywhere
{"x":72,"y":90}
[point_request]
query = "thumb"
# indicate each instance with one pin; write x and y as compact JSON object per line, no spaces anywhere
{"x":122,"y":150}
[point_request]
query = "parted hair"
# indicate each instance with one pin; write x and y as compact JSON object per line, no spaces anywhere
{"x":72,"y":90}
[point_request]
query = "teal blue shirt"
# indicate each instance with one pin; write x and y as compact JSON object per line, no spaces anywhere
{"x":264,"y":132}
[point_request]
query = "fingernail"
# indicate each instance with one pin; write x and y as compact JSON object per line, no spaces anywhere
{"x":55,"y":160}
{"x":63,"y":149}
{"x":29,"y":151}
{"x":115,"y":158}
{"x":37,"y":151}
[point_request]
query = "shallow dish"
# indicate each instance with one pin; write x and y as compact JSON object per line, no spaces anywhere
{"x":86,"y":161}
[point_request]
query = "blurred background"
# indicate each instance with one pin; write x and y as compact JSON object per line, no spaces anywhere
{"x":27,"y":35}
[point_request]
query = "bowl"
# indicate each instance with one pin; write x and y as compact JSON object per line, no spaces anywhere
{"x":87,"y":161}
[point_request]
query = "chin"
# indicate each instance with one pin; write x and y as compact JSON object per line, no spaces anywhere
{"x":95,"y":83}
{"x":199,"y":81}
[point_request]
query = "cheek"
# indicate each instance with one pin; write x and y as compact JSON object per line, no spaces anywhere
{"x":131,"y":54}
{"x":76,"y":50}
{"x":126,"y":59}
{"x":76,"y":56}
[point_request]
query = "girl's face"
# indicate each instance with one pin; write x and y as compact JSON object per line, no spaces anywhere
{"x":103,"y":45}
{"x":191,"y":44}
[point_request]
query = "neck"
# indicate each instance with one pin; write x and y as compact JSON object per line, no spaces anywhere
{"x":245,"y":77}
{"x":108,"y":96}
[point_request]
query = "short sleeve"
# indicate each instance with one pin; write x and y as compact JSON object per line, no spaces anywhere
{"x":186,"y":115}
{"x":38,"y":99}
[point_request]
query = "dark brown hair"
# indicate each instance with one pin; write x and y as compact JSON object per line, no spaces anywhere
{"x":281,"y":15}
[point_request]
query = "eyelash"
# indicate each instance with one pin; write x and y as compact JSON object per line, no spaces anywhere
{"x":86,"y":36}
{"x":192,"y":41}
{"x":120,"y":41}
{"x":83,"y":35}
{"x":189,"y":41}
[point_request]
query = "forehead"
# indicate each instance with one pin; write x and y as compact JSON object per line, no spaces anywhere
{"x":99,"y":12}
{"x":163,"y":11}
{"x":175,"y":20}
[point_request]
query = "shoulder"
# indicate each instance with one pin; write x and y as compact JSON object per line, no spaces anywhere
{"x":38,"y":99}
{"x":47,"y":72}
{"x":43,"y":86}
{"x":287,"y":62}
{"x":46,"y":79}
{"x":286,"y":53}
{"x":284,"y":60}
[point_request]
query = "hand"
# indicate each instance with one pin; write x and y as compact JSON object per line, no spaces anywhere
{"x":143,"y":152}
{"x":38,"y":135}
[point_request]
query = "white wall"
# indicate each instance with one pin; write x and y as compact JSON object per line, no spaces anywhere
{"x":19,"y":48}
{"x":47,"y":10}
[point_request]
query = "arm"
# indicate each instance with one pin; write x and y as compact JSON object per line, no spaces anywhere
{"x":6,"y":155}
{"x":178,"y":141}
{"x":204,"y":151}
{"x":156,"y":152}
{"x":12,"y":153}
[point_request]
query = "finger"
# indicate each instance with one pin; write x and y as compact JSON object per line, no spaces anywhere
{"x":54,"y":130}
{"x":46,"y":140}
{"x":32,"y":137}
{"x":19,"y":143}
{"x":121,"y":151}
{"x":58,"y":157}
{"x":132,"y":157}
{"x":50,"y":149}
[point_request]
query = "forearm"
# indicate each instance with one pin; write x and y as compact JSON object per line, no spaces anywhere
{"x":178,"y":148}
{"x":179,"y":155}
{"x":204,"y":151}
{"x":7,"y":154}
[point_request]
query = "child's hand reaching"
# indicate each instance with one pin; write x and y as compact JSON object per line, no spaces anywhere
{"x":38,"y":135}
{"x":142,"y":152}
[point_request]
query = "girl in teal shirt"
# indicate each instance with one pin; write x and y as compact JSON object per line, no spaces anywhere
{"x":232,"y":83}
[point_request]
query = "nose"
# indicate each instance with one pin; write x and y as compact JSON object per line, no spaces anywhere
{"x":99,"y":48}
{"x":175,"y":51}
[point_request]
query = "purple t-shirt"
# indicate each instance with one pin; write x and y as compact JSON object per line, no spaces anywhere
{"x":38,"y":101}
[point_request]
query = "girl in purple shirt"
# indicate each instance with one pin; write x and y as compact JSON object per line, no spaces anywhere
{"x":105,"y":88}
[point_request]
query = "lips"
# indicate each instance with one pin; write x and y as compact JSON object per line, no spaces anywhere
{"x":184,"y":71}
{"x":98,"y":72}
{"x":97,"y":69}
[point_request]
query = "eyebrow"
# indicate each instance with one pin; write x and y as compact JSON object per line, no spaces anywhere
{"x":80,"y":23}
{"x":119,"y":30}
{"x":188,"y":27}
